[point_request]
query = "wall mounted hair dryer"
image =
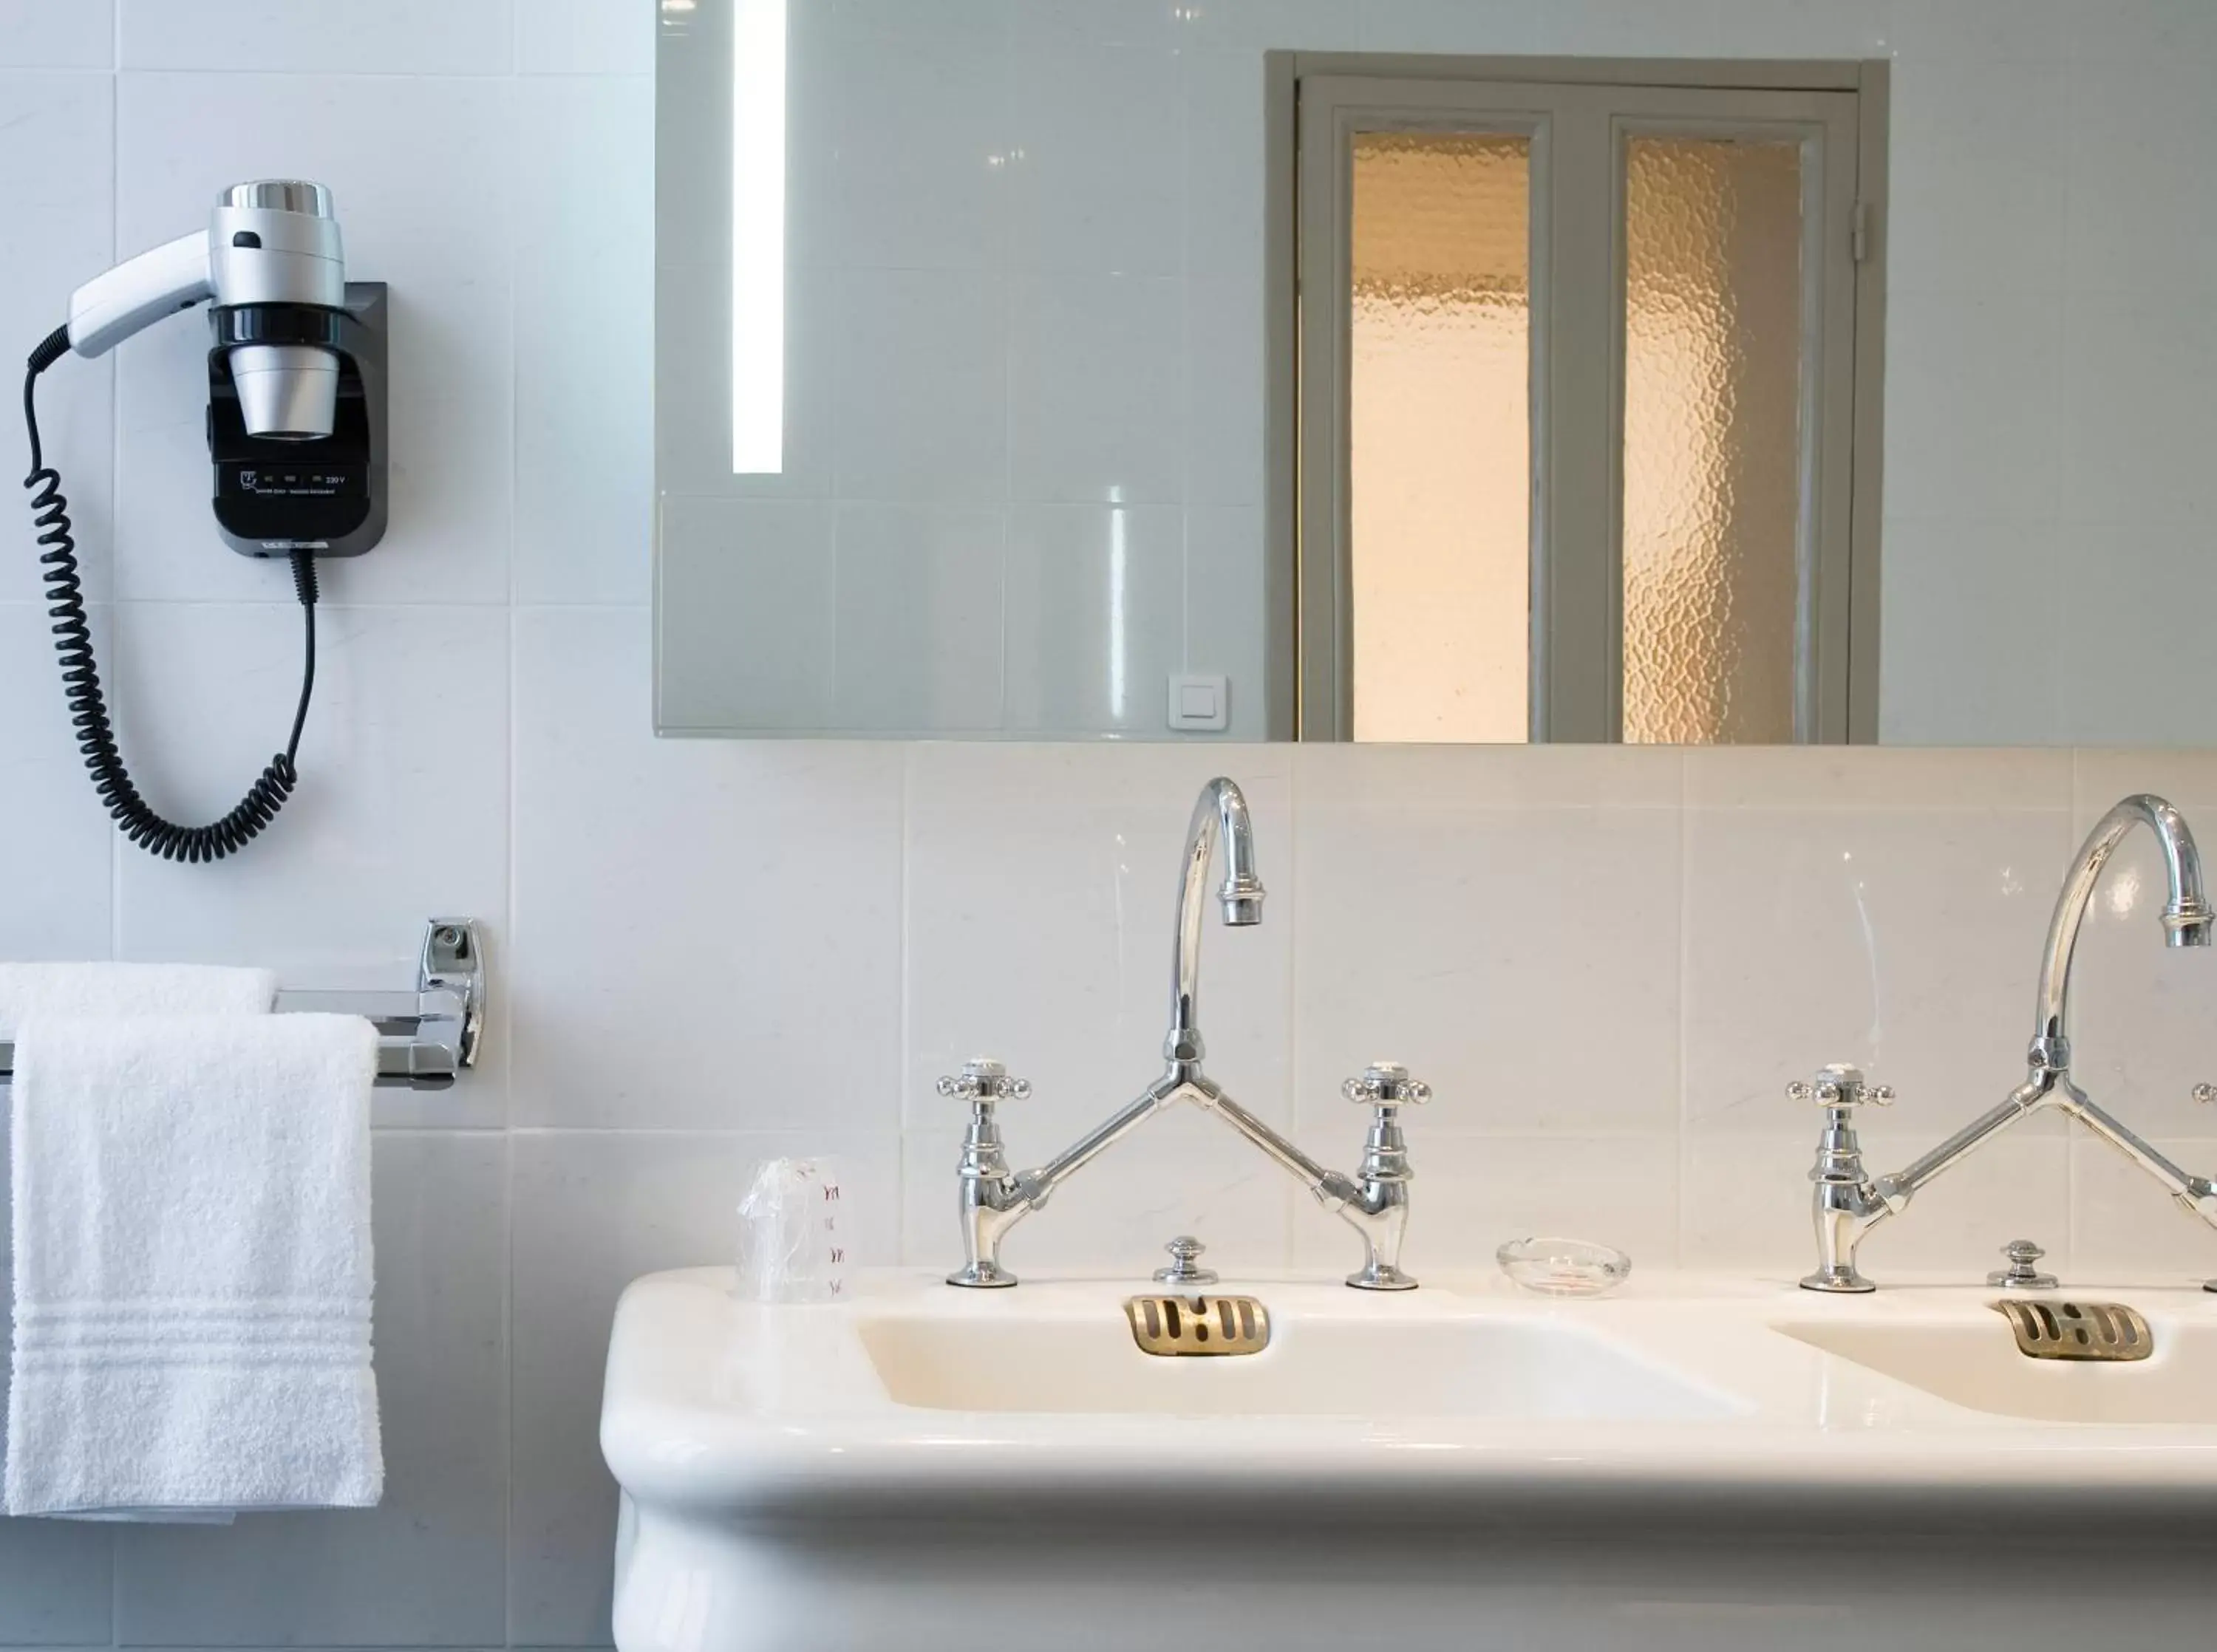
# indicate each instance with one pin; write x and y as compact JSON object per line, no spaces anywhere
{"x":296,"y":433}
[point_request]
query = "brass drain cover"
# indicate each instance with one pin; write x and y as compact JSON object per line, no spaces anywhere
{"x":1181,"y":1326}
{"x":2049,"y":1329}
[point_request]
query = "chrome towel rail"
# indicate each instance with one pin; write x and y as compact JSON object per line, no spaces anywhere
{"x":426,"y":1038}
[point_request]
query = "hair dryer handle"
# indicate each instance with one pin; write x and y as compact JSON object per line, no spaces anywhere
{"x":108,"y":309}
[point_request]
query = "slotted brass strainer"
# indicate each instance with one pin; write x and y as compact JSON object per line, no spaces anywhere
{"x":2047,"y":1329}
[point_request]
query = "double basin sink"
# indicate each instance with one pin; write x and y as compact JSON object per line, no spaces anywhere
{"x":1715,"y":1460}
{"x":1919,"y":1381}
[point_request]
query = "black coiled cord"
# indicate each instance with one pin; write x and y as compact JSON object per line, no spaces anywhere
{"x":88,"y":706}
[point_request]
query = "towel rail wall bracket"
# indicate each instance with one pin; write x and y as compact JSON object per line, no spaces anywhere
{"x":426,"y":1038}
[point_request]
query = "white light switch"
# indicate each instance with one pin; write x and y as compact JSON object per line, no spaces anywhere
{"x":1200,"y":705}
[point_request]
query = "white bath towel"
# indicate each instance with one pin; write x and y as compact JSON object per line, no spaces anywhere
{"x":192,"y":1267}
{"x":29,"y":990}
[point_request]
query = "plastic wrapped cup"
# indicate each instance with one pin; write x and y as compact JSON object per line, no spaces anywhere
{"x":792,"y":1233}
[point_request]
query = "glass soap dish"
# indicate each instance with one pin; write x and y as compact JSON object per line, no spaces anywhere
{"x":1564,"y":1267}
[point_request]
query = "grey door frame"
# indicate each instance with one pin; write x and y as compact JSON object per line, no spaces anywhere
{"x":1309,"y":650}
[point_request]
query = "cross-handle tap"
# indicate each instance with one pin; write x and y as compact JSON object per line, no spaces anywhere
{"x":1378,"y":1209}
{"x":993,"y":1199}
{"x":1847,"y":1200}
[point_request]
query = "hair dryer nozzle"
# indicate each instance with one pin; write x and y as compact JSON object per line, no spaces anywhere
{"x":286,"y":392}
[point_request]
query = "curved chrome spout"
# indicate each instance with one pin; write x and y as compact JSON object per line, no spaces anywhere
{"x":1221,"y":812}
{"x":2187,"y":914}
{"x":1849,"y":1203}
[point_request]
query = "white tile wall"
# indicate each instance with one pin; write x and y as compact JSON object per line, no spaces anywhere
{"x":1608,"y":962}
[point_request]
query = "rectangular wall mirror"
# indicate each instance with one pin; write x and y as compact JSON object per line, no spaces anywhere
{"x":1206,"y":373}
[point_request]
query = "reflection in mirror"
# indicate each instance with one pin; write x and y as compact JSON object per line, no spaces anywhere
{"x":1713,"y":438}
{"x":1440,"y":366}
{"x":1064,"y":369}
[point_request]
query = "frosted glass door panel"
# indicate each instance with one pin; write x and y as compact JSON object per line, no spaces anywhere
{"x":1713,"y":438}
{"x":1440,"y":472}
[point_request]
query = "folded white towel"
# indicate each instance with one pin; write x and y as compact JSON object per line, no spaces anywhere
{"x":192,"y":1267}
{"x":29,"y":990}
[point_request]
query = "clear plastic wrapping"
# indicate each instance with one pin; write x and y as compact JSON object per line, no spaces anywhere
{"x":793,"y":1245}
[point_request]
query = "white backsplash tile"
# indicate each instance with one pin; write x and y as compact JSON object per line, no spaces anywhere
{"x":785,"y":860}
{"x":54,"y":1583}
{"x":1524,"y":962}
{"x":395,"y":37}
{"x":54,"y":833}
{"x":585,"y":37}
{"x":584,"y":339}
{"x":44,"y":35}
{"x":1905,"y":943}
{"x":1892,"y":779}
{"x":58,"y":170}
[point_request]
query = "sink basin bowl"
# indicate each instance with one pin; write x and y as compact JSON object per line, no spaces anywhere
{"x":1315,"y":1366}
{"x":1972,"y":1361}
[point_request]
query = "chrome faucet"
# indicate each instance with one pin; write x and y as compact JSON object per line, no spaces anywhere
{"x":1848,"y":1203}
{"x":1375,"y":1201}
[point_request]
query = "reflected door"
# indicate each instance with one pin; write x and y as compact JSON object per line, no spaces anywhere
{"x":1578,"y":380}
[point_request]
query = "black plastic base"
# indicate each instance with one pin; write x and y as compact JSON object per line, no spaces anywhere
{"x":271,"y":498}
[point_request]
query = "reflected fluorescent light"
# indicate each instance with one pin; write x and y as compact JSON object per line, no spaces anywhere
{"x":1120,"y":551}
{"x":758,"y":69}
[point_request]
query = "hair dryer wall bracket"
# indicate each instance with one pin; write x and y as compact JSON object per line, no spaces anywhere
{"x":272,"y":495}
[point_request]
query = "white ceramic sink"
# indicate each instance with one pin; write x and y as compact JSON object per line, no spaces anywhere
{"x":924,"y":1467}
{"x":1973,"y":1361}
{"x":1316,"y":1365}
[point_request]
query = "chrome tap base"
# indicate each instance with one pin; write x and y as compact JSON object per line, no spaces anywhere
{"x":1842,"y":1281}
{"x":985,"y":1274}
{"x":1381,"y":1276}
